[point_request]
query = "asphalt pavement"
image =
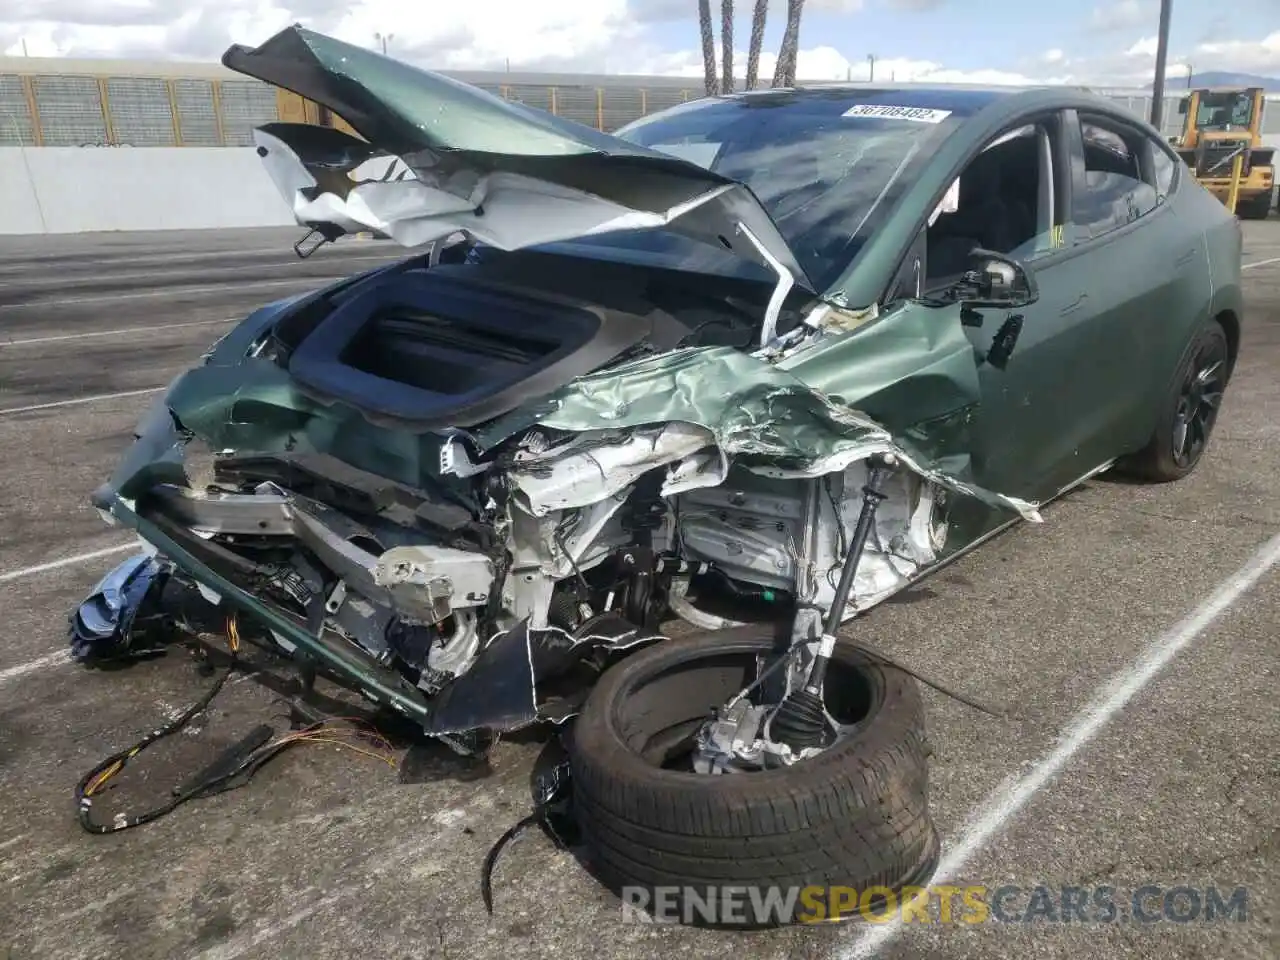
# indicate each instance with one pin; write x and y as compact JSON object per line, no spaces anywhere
{"x":1131,"y":638}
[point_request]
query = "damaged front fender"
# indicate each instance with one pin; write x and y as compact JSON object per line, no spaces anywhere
{"x":749,"y":411}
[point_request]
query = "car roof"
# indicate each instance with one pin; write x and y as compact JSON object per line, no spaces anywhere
{"x":963,"y":98}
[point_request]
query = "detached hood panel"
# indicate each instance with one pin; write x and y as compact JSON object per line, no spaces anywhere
{"x":509,"y":175}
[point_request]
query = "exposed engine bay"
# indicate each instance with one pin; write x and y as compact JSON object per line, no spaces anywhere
{"x":587,"y":560}
{"x":495,"y":473}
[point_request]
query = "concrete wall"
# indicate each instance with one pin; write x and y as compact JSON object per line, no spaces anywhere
{"x":77,"y":189}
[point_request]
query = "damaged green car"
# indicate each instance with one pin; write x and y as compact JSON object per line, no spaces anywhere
{"x":759,"y":362}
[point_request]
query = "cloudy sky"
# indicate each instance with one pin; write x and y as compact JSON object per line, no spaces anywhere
{"x":992,"y":41}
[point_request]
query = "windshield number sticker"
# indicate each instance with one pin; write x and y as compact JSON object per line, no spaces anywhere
{"x":883,"y":112}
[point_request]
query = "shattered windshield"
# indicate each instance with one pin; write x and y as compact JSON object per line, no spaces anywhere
{"x":1218,"y":111}
{"x":825,"y":167}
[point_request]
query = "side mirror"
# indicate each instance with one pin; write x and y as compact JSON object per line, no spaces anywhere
{"x":996,"y":281}
{"x":1182,"y":107}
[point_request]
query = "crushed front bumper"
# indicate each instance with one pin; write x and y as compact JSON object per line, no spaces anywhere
{"x":497,"y":692}
{"x":192,"y":557}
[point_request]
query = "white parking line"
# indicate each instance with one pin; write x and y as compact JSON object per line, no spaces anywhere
{"x":327,"y":252}
{"x":1260,"y":263}
{"x":53,"y":660}
{"x":235,"y":947}
{"x":375,"y":867}
{"x":11,"y":575}
{"x":991,"y":816}
{"x":229,"y":287}
{"x":202,"y":323}
{"x":111,"y":333}
{"x":161,"y":274}
{"x":61,"y":657}
{"x":77,"y":400}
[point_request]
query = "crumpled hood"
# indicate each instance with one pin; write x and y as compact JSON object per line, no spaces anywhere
{"x":506,"y":174}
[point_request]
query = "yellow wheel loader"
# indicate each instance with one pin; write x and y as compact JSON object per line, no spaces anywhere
{"x":1223,"y":124}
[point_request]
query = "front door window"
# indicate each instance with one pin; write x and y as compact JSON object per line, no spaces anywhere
{"x":1003,"y":201}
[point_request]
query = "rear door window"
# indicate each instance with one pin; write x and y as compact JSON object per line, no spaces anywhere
{"x":1114,"y":192}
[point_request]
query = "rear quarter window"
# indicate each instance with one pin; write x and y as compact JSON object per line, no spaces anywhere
{"x":1165,"y":170}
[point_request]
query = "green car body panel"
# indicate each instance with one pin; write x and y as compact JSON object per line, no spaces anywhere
{"x":876,"y":364}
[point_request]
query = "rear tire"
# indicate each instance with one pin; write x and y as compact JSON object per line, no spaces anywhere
{"x":1188,"y":411}
{"x":854,"y":816}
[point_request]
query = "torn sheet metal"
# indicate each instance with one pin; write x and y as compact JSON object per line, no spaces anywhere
{"x":605,"y":463}
{"x":759,"y":415}
{"x":506,"y":174}
{"x":698,"y":408}
{"x":500,"y":691}
{"x":906,"y":370}
{"x":251,"y":404}
{"x":504,"y":210}
{"x":102,"y":626}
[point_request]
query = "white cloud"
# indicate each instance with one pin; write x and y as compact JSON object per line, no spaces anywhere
{"x":687,"y":9}
{"x":613,"y":36}
{"x":1134,"y":65}
{"x":1240,"y":56}
{"x":1146,"y":47}
{"x":469,"y":34}
{"x":477,"y":34}
{"x":827,"y":63}
{"x":1122,"y":15}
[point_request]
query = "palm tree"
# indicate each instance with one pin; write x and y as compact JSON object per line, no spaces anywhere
{"x":726,"y":44}
{"x":708,"y":47}
{"x":758,"y":17}
{"x":784,"y":75}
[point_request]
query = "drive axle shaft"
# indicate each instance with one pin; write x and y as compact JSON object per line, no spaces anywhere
{"x":800,"y":720}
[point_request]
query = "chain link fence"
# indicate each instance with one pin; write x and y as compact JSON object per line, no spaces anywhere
{"x":136,"y":111}
{"x":85,"y":110}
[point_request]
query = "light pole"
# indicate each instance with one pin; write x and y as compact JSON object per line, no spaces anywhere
{"x":871,"y":61}
{"x":1190,"y":73}
{"x":384,"y":39}
{"x":1162,"y":57}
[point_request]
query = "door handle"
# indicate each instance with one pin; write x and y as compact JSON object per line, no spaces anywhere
{"x":1075,"y":304}
{"x":1186,"y":258}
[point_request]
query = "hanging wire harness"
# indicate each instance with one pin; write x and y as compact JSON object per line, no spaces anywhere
{"x":233,"y":768}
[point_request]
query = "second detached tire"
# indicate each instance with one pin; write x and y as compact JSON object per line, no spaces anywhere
{"x":854,"y":816}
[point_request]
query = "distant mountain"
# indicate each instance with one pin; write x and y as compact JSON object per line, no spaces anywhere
{"x":1174,"y":82}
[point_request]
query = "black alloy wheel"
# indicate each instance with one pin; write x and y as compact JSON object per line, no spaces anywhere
{"x":1185,"y":420}
{"x":1198,"y":403}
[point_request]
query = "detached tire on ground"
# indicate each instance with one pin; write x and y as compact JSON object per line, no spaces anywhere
{"x":854,"y":816}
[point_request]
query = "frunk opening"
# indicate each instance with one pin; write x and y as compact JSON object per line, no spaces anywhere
{"x":431,"y":349}
{"x":424,"y":350}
